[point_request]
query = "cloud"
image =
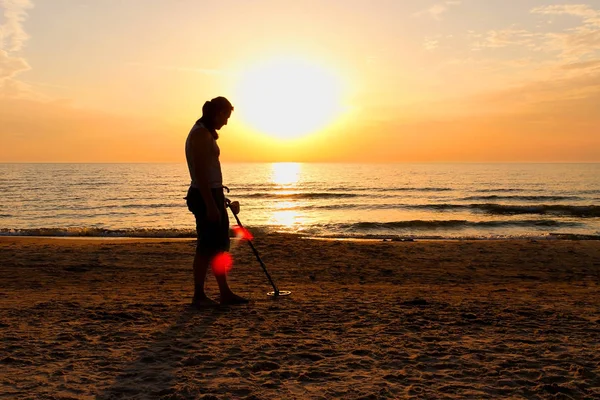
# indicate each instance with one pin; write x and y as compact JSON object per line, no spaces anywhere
{"x":437,"y":10}
{"x":577,"y":42}
{"x":590,"y":15}
{"x":10,"y":66}
{"x":572,"y":44}
{"x":586,"y":65}
{"x":534,"y":94}
{"x":12,"y":40}
{"x":12,"y":34}
{"x":431,"y":44}
{"x":505,"y":37}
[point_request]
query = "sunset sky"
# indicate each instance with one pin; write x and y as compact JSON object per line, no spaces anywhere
{"x":335,"y":80}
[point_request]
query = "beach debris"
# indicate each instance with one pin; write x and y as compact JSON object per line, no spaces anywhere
{"x":416,"y":302}
{"x":469,"y":316}
{"x":310,"y":356}
{"x":81,"y":268}
{"x":264,"y":366}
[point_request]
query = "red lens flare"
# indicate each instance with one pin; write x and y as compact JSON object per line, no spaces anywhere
{"x":242,"y":233}
{"x":221,"y":263}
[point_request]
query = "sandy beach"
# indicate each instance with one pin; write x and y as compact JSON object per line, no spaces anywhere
{"x":109,"y":319}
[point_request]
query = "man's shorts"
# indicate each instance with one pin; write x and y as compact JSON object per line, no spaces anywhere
{"x":213,"y":237}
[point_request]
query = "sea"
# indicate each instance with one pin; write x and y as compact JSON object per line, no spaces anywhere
{"x":360,"y":201}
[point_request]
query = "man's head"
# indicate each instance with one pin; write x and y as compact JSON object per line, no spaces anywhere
{"x":216,"y":112}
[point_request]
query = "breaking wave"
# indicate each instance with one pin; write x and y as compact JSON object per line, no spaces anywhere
{"x":522,"y":197}
{"x":99,"y":232}
{"x":454,"y":224}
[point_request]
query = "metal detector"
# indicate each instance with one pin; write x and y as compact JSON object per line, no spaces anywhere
{"x":276,"y":292}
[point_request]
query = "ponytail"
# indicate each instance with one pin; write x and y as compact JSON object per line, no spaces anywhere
{"x":210,"y":109}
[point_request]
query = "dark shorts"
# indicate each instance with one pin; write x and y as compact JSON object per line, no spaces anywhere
{"x":213,"y":237}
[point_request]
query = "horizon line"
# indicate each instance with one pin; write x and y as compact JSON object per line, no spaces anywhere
{"x":305,"y":162}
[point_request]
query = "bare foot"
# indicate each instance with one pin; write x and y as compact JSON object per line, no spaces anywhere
{"x":233,"y":299}
{"x":203,"y":302}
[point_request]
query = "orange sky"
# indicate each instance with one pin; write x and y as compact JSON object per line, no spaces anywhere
{"x":413,"y":81}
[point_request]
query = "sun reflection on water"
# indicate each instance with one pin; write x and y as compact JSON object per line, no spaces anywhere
{"x":286,"y":173}
{"x":285,"y":214}
{"x":286,"y":218}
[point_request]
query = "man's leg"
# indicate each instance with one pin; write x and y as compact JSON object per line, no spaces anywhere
{"x":221,"y":264}
{"x":227,"y":296}
{"x":223,"y":243}
{"x":201,"y":262}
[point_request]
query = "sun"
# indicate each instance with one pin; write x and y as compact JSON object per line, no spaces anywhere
{"x":288,"y":97}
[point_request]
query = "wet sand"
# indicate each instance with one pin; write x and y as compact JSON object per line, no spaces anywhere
{"x":108,"y":319}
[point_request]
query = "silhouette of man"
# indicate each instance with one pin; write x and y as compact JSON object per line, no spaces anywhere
{"x":205,"y":199}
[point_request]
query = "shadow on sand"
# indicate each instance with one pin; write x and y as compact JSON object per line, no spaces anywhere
{"x":153,"y":373}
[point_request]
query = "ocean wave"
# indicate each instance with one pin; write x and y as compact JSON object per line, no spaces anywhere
{"x":415,"y":189}
{"x":421,"y":236}
{"x":451,"y":224}
{"x":154,"y":205}
{"x":261,"y":188}
{"x":100,"y":232}
{"x":554,"y":209}
{"x":487,"y":208}
{"x":168,"y":233}
{"x":309,"y":195}
{"x":522,"y":197}
{"x":109,"y":206}
{"x":493,"y":190}
{"x":505,"y":209}
{"x":275,"y":188}
{"x":444,"y":229}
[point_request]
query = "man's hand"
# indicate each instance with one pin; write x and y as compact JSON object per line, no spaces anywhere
{"x":235,"y":207}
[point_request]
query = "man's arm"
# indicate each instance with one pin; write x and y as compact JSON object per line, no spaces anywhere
{"x":202,"y":148}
